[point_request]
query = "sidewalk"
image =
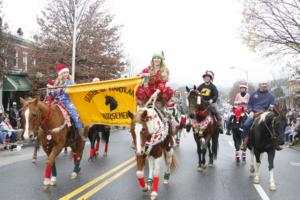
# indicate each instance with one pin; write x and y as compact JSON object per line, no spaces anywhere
{"x":25,"y":143}
{"x":296,"y":147}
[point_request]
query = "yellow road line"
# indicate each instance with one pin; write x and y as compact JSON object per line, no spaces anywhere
{"x":106,"y":182}
{"x":89,"y":184}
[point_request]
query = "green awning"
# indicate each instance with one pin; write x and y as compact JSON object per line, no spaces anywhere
{"x":16,"y":83}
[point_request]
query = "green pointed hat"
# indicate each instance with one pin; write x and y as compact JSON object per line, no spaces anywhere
{"x":159,"y":54}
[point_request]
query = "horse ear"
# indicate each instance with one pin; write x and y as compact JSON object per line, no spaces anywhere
{"x":144,"y":115}
{"x":195,"y":88}
{"x":187,"y":89}
{"x":35,"y":101}
{"x":22,"y":101}
{"x":130,"y":114}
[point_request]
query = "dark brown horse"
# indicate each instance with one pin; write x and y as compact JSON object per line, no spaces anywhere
{"x":94,"y":138}
{"x":152,"y":138}
{"x":53,"y":132}
{"x":204,"y":126}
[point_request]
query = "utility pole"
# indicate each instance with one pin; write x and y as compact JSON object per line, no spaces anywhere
{"x":74,"y":41}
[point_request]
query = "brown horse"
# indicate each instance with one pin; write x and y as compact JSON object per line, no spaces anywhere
{"x":152,"y":138}
{"x":53,"y":132}
{"x":204,"y":126}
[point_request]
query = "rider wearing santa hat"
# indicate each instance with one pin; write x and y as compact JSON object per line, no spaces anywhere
{"x":210,"y":93}
{"x":63,"y":80}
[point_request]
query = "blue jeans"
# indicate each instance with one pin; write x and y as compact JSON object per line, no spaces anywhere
{"x":74,"y":115}
{"x":2,"y":137}
{"x":246,"y":126}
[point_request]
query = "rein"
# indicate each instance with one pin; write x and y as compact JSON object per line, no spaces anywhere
{"x":46,"y":119}
{"x":272,"y":133}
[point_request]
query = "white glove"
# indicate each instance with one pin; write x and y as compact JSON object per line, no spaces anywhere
{"x":251,"y":115}
{"x":210,"y":101}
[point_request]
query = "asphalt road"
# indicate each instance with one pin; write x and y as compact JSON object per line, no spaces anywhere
{"x":113,"y":177}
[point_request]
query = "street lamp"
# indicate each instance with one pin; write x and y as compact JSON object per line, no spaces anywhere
{"x":76,"y":21}
{"x":243,"y":70}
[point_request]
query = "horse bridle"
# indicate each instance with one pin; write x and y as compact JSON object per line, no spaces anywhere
{"x":198,"y":105}
{"x":272,"y":132}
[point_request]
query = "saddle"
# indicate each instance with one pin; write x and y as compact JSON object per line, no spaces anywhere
{"x":63,"y":110}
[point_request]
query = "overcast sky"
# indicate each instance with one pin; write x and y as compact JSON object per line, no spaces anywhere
{"x":195,"y":36}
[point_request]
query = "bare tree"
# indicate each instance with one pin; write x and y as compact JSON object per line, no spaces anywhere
{"x":272,"y":27}
{"x":6,"y":46}
{"x":99,"y":50}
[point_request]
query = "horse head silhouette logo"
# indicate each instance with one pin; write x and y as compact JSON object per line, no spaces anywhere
{"x":113,"y":104}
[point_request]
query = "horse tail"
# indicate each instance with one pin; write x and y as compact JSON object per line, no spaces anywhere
{"x":215,"y":146}
{"x":174,"y":163}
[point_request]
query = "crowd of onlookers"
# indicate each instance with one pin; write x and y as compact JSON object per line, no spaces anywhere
{"x":292,"y":131}
{"x":10,"y":130}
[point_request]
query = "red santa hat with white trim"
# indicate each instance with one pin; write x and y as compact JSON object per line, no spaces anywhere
{"x":61,"y":69}
{"x":50,"y":84}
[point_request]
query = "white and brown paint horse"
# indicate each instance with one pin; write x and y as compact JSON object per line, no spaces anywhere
{"x":50,"y":125}
{"x":178,"y":121}
{"x":266,"y":134}
{"x":152,"y":138}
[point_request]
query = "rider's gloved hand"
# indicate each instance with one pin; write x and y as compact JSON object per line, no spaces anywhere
{"x":251,"y":114}
{"x":210,"y":101}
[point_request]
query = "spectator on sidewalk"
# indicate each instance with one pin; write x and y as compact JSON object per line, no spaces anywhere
{"x":287,"y":133}
{"x":14,"y":115}
{"x":8,"y":131}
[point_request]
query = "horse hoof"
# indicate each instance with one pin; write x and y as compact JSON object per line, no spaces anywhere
{"x":273,"y":187}
{"x":153,"y":195}
{"x":200,"y":169}
{"x":210,"y":164}
{"x":146,"y":188}
{"x":53,"y":181}
{"x":46,"y":183}
{"x":166,"y":181}
{"x":73,"y":175}
{"x":105,"y":155}
{"x":33,"y":160}
{"x":256,"y":180}
{"x":252,"y":169}
{"x":45,"y":187}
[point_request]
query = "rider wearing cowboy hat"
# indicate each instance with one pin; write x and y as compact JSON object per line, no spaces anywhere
{"x":210,"y":93}
{"x":260,"y":101}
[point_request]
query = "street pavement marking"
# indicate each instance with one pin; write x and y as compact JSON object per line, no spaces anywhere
{"x":94,"y":181}
{"x":296,"y":164}
{"x":231,"y":143}
{"x":261,"y":192}
{"x":106,"y":182}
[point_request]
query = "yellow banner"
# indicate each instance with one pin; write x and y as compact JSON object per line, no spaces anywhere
{"x":105,"y":102}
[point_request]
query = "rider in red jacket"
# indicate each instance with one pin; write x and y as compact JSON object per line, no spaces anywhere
{"x":156,"y":75}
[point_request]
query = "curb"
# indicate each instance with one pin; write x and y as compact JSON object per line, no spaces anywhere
{"x":25,"y":144}
{"x":295,"y":148}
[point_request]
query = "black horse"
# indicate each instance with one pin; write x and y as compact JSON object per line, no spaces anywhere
{"x":113,"y":104}
{"x":94,"y":138}
{"x":235,"y":125}
{"x":266,"y":134}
